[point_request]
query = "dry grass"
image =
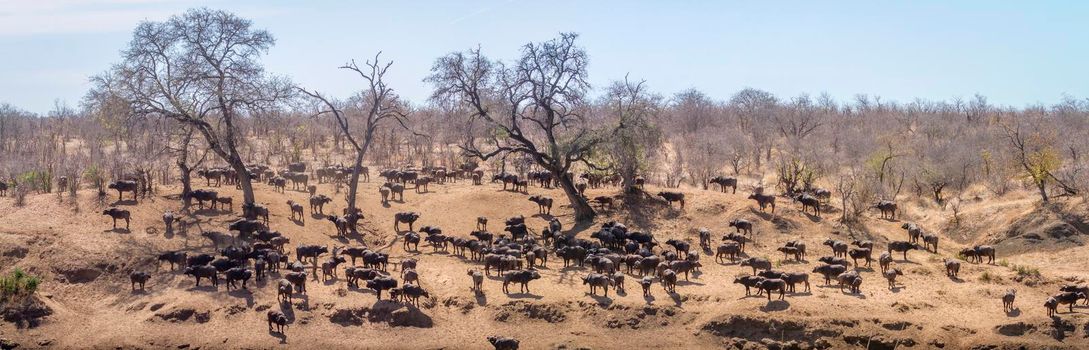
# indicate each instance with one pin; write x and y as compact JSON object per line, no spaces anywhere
{"x":101,"y":312}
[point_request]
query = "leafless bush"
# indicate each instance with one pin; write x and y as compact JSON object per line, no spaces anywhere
{"x":704,"y":156}
{"x":956,"y":205}
{"x":858,"y":190}
{"x":674,"y":172}
{"x":19,"y":193}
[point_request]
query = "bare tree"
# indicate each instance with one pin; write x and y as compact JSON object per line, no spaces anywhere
{"x":846,"y":188}
{"x":800,"y":119}
{"x":692,"y":111}
{"x":797,"y":173}
{"x":704,"y":155}
{"x":1037,"y":156}
{"x":754,"y":109}
{"x":636,"y":136}
{"x":857,"y":189}
{"x":185,"y":158}
{"x":376,"y":104}
{"x":737,"y":149}
{"x":957,"y":206}
{"x":201,"y":69}
{"x":941,"y":165}
{"x":1074,"y":174}
{"x":675,"y":162}
{"x":535,"y":106}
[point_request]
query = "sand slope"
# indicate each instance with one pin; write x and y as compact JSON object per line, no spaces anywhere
{"x":86,"y":268}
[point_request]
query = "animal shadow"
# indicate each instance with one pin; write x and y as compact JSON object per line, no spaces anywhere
{"x":524,"y":296}
{"x":170,"y":234}
{"x":244,"y":294}
{"x":762,"y":214}
{"x":858,"y":295}
{"x":601,"y":300}
{"x":676,"y":299}
{"x":206,"y":288}
{"x":207,"y":211}
{"x":124,"y":202}
{"x":775,"y":305}
{"x":282,"y":337}
{"x":752,"y":295}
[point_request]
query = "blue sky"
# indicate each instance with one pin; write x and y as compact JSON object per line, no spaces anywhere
{"x":1014,"y":52}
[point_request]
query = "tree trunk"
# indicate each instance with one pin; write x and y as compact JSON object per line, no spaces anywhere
{"x":187,"y":182}
{"x":1042,"y":187}
{"x":244,"y":180}
{"x":354,"y":184}
{"x":843,"y":203}
{"x":583,"y":211}
{"x":627,"y":180}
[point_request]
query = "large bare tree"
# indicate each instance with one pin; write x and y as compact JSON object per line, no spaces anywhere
{"x":534,"y":106}
{"x":201,"y":69}
{"x":376,"y":104}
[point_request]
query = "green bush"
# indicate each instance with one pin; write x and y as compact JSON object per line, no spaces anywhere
{"x":1026,"y":271}
{"x":38,"y":180}
{"x":18,"y":284}
{"x":94,"y":175}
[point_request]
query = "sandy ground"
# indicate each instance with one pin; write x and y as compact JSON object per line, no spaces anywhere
{"x":85,"y":267}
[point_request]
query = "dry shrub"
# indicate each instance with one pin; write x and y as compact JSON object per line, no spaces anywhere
{"x":19,"y":193}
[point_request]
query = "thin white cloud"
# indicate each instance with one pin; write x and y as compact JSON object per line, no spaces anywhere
{"x":16,"y":7}
{"x":24,"y":18}
{"x":82,"y":22}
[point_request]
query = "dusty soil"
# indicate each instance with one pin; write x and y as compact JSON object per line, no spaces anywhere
{"x":86,"y":290}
